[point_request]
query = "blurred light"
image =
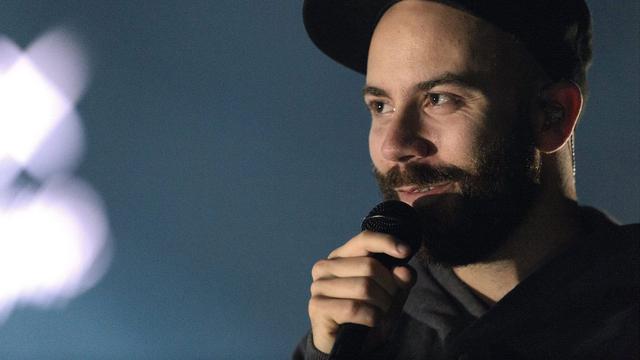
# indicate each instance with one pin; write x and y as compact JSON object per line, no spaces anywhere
{"x":32,"y":106}
{"x":54,"y":236}
{"x":29,"y":108}
{"x":51,"y":244}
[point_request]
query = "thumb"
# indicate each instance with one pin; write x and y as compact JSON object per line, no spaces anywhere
{"x":405,"y":277}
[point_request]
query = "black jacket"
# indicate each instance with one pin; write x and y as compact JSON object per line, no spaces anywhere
{"x":583,"y":304}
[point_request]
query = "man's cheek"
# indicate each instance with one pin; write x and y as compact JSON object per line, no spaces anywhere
{"x":374,"y":154}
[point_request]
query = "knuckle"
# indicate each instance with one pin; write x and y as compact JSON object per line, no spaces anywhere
{"x":352,"y":309}
{"x":360,"y":312}
{"x":314,"y":306}
{"x":317,"y":268}
{"x":313,"y":289}
{"x":364,"y":288}
{"x":370,"y":267}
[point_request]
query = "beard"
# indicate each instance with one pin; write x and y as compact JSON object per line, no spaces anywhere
{"x":470,"y":226}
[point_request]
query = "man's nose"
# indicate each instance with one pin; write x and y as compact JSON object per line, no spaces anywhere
{"x":404,"y":140}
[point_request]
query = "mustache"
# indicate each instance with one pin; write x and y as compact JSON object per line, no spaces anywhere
{"x":420,"y":175}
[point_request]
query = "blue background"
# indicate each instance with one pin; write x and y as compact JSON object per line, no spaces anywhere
{"x":231,"y":155}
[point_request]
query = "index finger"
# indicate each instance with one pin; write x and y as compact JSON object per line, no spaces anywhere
{"x":368,"y":242}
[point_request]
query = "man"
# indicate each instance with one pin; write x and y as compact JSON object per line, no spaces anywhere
{"x":473,"y":107}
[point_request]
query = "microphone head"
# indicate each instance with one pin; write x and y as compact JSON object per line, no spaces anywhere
{"x":397,"y":219}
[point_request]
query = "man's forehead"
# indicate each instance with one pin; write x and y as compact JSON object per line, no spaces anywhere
{"x":428,"y":11}
{"x":412,"y":23}
{"x":416,"y":41}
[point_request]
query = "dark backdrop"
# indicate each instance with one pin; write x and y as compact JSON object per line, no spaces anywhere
{"x":231,"y":154}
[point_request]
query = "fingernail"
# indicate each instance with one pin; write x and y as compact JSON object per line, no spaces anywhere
{"x":402,"y":248}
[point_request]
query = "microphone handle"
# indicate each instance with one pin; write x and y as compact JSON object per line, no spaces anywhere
{"x":401,"y":221}
{"x":349,"y":341}
{"x":350,"y":337}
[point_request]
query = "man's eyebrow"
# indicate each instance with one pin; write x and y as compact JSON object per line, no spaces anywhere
{"x":372,"y":90}
{"x":447,"y":78}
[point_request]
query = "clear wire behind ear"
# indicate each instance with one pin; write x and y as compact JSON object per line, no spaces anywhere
{"x":573,"y":155}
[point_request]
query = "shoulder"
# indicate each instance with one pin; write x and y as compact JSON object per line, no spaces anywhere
{"x":605,"y":232}
{"x":630,"y":233}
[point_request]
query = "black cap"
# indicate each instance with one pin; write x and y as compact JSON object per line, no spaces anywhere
{"x":556,"y":32}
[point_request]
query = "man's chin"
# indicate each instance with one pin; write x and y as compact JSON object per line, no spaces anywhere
{"x":461,"y":231}
{"x":441,"y":211}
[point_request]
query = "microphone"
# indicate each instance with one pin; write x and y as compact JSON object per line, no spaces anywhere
{"x":400,"y":221}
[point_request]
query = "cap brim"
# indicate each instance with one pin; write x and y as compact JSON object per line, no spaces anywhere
{"x":342,"y":29}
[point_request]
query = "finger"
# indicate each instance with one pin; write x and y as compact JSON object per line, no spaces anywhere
{"x":355,"y":267}
{"x":405,"y":277}
{"x":340,"y":311}
{"x":368,"y":242}
{"x":360,"y":288}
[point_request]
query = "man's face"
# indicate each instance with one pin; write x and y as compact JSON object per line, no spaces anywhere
{"x":450,"y":131}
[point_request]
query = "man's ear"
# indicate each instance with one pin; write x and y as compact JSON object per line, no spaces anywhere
{"x":558,"y":114}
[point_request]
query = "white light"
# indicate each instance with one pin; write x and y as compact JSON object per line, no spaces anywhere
{"x":38,"y":91}
{"x":61,"y":150}
{"x":54,"y":236}
{"x":58,"y":55}
{"x":30,"y":107}
{"x":50,"y":241}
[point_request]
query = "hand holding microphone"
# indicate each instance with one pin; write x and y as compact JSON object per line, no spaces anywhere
{"x":363,"y":284}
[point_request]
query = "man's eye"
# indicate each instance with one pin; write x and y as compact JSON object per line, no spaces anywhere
{"x":441,"y":104}
{"x":439,"y":99}
{"x":380,"y":107}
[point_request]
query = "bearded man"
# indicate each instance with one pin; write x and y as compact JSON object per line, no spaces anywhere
{"x":473,"y":108}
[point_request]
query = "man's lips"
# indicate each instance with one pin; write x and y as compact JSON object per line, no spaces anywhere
{"x":409,"y":194}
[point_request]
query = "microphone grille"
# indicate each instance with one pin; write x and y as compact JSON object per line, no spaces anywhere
{"x":397,"y":219}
